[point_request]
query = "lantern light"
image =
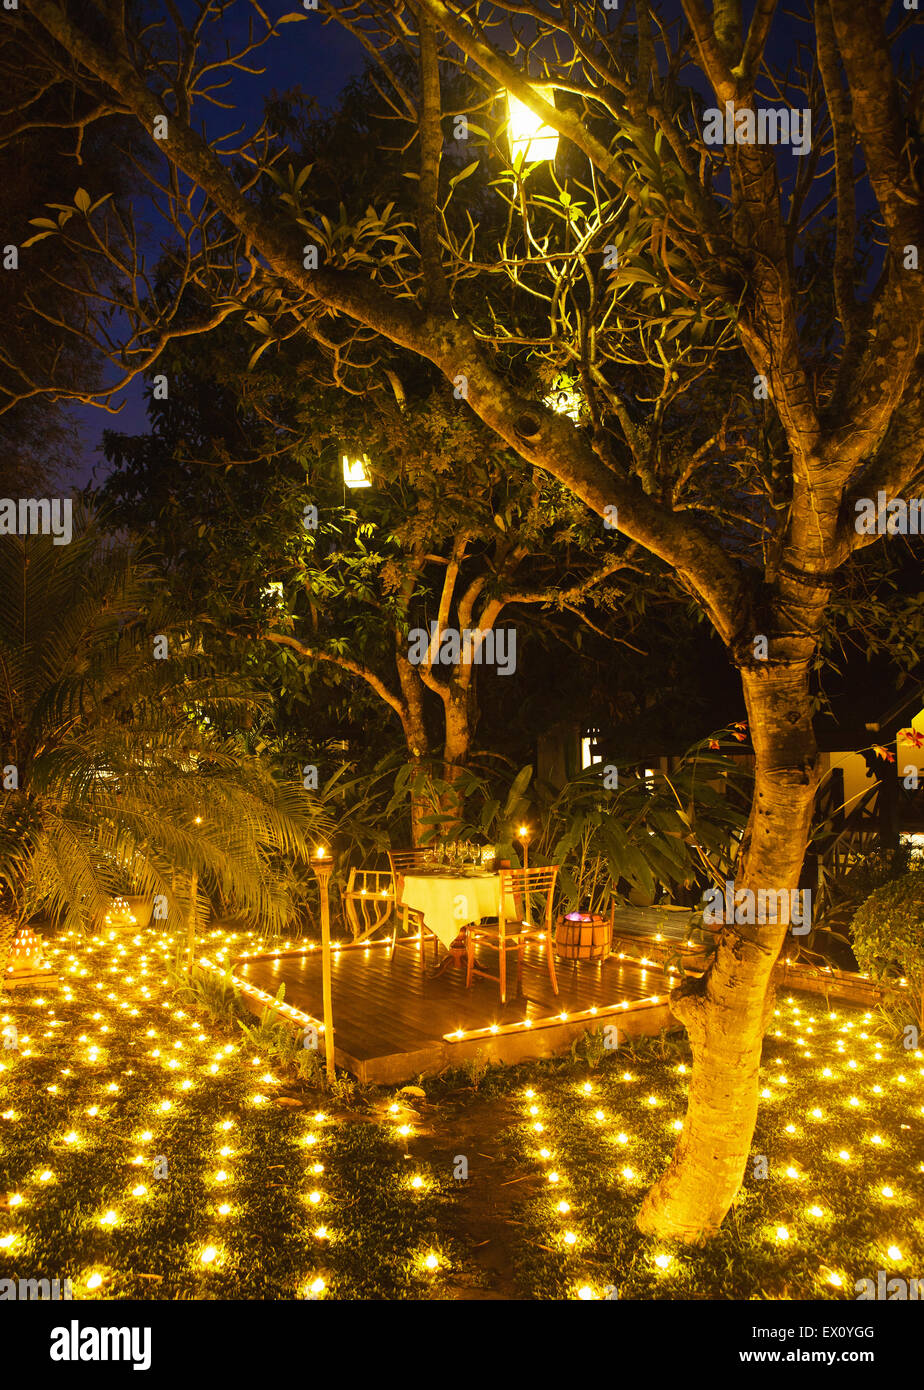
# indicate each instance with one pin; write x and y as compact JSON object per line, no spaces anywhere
{"x":356,"y":471}
{"x":530,"y":138}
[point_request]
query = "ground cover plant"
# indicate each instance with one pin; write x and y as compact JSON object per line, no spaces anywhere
{"x":146,"y":1150}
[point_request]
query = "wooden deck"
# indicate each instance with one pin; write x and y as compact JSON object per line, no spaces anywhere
{"x":393,"y":1020}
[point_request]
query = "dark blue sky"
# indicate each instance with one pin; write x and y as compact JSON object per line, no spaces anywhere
{"x":320,"y":58}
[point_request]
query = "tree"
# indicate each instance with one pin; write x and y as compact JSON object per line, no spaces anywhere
{"x":449,"y":534}
{"x":662,"y":256}
{"x":120,"y":765}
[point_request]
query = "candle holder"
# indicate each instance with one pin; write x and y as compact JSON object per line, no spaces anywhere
{"x":524,"y":835}
{"x":323,"y":865}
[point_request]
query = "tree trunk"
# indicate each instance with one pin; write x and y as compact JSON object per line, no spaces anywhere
{"x":414,"y":724}
{"x":457,"y":706}
{"x":726,"y":1011}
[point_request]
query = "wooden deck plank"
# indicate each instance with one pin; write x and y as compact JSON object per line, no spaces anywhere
{"x":383,"y":1007}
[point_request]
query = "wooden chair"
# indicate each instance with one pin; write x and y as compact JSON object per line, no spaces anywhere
{"x":405,"y":861}
{"x":517,"y":888}
{"x":368,"y":901}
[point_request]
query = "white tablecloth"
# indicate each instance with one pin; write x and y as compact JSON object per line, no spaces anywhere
{"x":449,"y":901}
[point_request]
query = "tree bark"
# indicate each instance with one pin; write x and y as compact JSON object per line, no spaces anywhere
{"x":726,"y":1011}
{"x":459,"y":726}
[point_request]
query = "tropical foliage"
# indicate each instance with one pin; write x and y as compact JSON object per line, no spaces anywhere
{"x":122,"y":772}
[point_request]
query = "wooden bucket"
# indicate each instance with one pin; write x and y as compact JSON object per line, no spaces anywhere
{"x":582,"y":936}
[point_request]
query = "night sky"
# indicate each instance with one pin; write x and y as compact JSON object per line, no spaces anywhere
{"x":320,"y":58}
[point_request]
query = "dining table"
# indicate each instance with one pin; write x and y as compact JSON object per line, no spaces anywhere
{"x":452,"y":899}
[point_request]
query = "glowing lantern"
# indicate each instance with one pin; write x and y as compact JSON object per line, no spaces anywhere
{"x":120,"y":914}
{"x":25,"y":957}
{"x":356,"y":472}
{"x":530,"y":137}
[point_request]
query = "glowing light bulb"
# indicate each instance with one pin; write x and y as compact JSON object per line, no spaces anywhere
{"x":782,"y":1233}
{"x":894,"y":1253}
{"x":662,"y":1261}
{"x":564,"y":1208}
{"x":209,"y":1255}
{"x":94,"y":1281}
{"x":570,"y":1238}
{"x":431,"y":1262}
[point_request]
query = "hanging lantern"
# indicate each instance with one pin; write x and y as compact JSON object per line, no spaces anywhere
{"x":356,"y":472}
{"x":530,"y":137}
{"x":565,"y":399}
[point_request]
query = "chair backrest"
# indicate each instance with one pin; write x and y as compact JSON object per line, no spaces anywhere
{"x":368,"y":900}
{"x":403,"y":860}
{"x":519,"y":886}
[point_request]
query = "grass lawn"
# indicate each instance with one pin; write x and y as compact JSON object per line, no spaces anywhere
{"x":144,"y":1154}
{"x":147,"y":1153}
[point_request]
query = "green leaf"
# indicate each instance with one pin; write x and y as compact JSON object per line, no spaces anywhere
{"x":469,"y":169}
{"x":520,"y":783}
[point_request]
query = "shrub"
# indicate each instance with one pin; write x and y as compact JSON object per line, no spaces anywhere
{"x":888,"y":939}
